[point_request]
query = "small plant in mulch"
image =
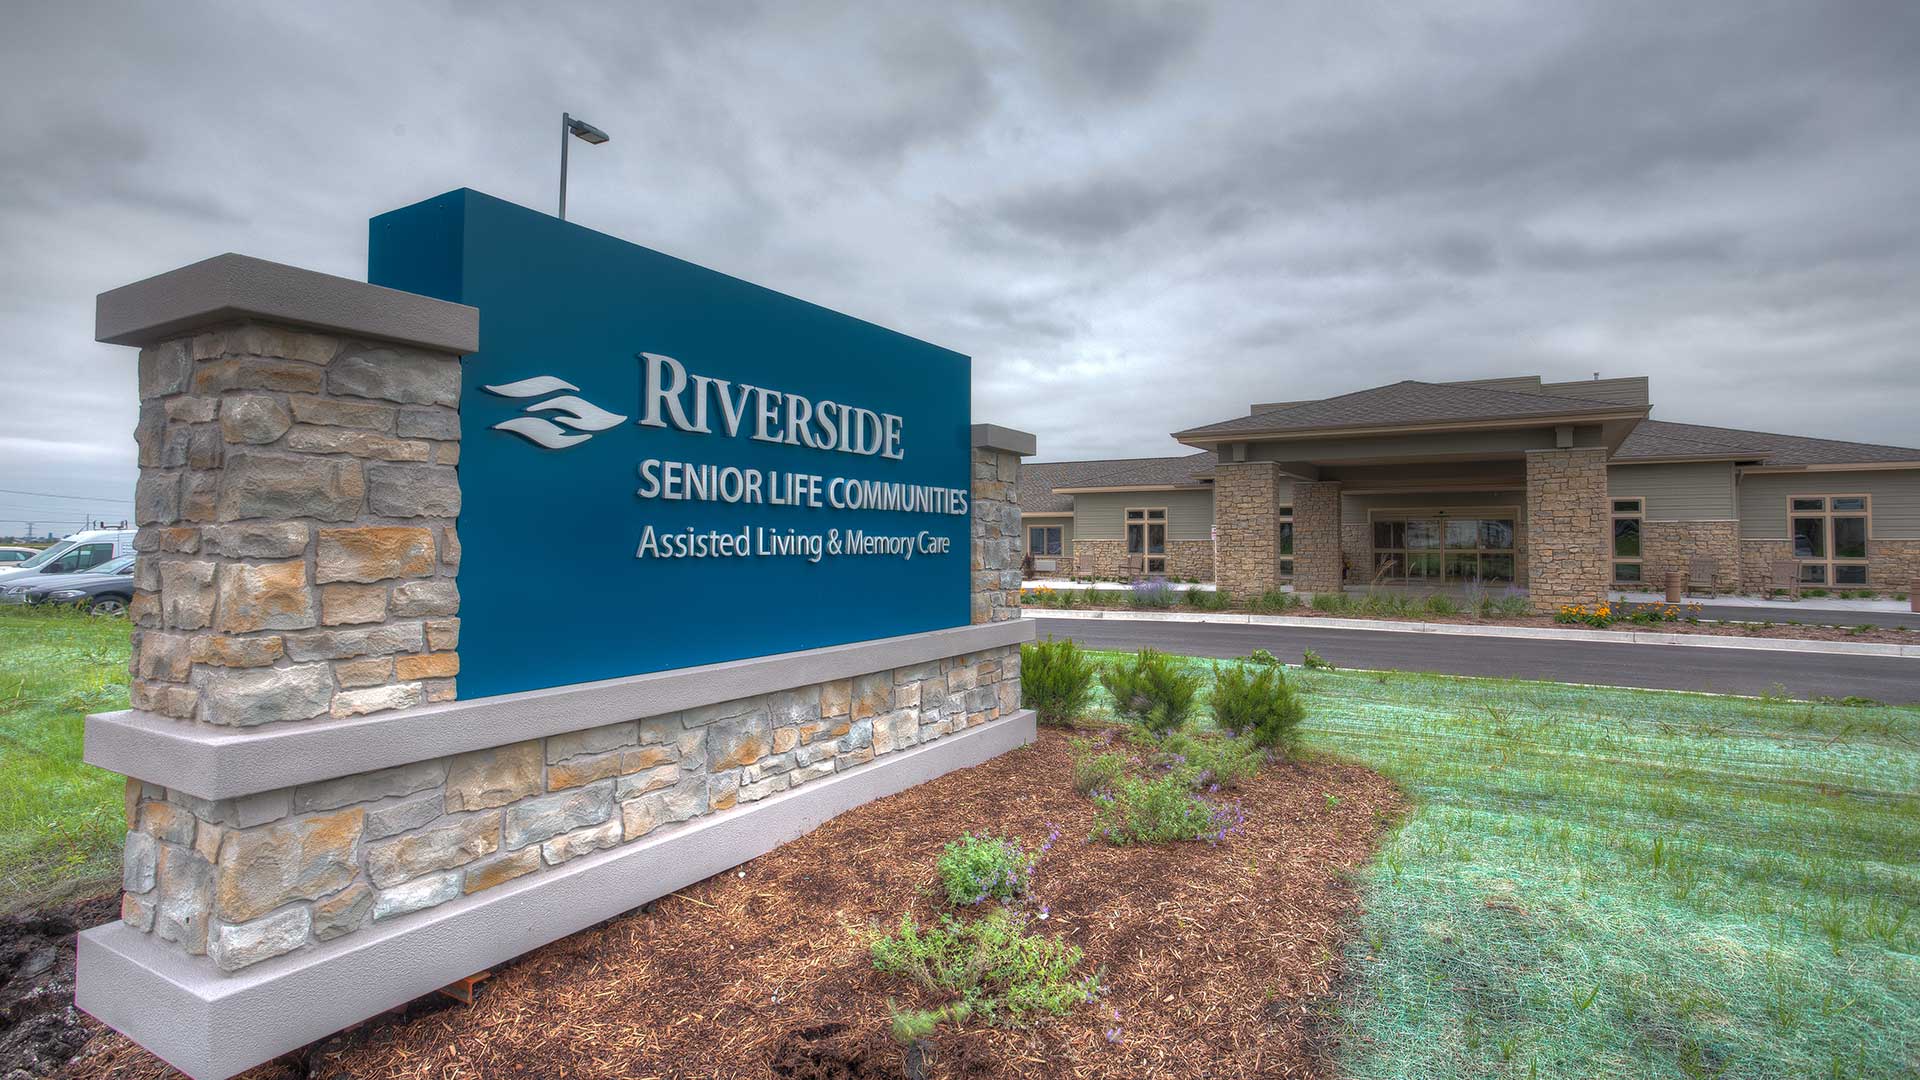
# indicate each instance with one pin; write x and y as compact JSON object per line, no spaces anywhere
{"x":1211,"y":765}
{"x":994,"y":970}
{"x":1151,"y":690}
{"x":975,"y":869}
{"x":1096,"y":766}
{"x":1258,"y":704}
{"x":1161,"y":810}
{"x":1313,"y":661}
{"x":1056,"y":680}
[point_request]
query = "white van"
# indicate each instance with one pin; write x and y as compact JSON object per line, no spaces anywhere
{"x":81,"y":551}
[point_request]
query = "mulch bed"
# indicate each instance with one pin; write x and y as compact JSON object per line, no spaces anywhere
{"x":1215,"y":958}
{"x":1776,"y":629}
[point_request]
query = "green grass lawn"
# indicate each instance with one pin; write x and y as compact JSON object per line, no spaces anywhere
{"x":1602,"y":883}
{"x":1592,"y":882}
{"x":62,"y":823}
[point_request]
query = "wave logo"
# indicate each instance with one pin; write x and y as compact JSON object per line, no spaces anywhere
{"x":576,"y":413}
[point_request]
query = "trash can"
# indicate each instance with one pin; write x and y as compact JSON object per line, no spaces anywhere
{"x":1676,"y":586}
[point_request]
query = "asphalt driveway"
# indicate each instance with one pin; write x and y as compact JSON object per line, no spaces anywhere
{"x":1669,"y":667}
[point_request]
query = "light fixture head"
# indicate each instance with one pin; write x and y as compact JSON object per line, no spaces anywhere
{"x":586,"y":131}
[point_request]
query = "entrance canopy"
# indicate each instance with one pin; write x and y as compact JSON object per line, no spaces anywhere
{"x":1497,"y":482}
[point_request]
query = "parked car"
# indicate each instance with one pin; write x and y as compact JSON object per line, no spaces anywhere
{"x":11,"y":557}
{"x":106,"y":589}
{"x":81,"y":551}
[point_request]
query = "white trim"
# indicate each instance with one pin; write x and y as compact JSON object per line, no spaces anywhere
{"x":211,"y":1025}
{"x":220,"y":763}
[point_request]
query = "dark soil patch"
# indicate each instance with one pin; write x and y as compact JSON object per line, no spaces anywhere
{"x":1212,"y":957}
{"x":39,"y":1027}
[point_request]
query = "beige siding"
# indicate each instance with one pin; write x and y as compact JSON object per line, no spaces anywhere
{"x":1896,"y":500}
{"x":1682,"y":491}
{"x":1065,"y":524}
{"x":1101,"y":515}
{"x":1355,"y":508}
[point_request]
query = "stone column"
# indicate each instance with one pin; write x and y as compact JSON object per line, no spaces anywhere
{"x":999,"y":543}
{"x":1568,"y":528}
{"x":1246,"y":515}
{"x":296,"y":504}
{"x":1317,"y":558}
{"x":296,"y":552}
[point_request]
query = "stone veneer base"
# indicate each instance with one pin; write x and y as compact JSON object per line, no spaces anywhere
{"x":213,"y":763}
{"x":211,"y":1025}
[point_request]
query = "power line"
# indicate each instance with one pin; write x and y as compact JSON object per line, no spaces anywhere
{"x":51,"y":495}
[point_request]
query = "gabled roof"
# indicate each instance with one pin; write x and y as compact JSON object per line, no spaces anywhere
{"x":1187,"y":470}
{"x":1659,"y":439}
{"x":1039,"y":479}
{"x":1404,"y":403}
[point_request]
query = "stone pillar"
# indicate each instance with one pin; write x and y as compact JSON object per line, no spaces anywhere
{"x":999,"y":543}
{"x":295,"y":559}
{"x":1317,"y":561}
{"x":1568,"y":528}
{"x":296,"y":504}
{"x":1246,"y":515}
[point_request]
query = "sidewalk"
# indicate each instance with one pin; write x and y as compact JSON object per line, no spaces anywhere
{"x":1808,"y":610}
{"x":1530,"y":633}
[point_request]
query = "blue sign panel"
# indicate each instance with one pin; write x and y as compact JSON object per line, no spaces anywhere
{"x":663,"y":466}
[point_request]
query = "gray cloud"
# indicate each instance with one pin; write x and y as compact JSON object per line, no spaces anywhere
{"x":1136,"y":217}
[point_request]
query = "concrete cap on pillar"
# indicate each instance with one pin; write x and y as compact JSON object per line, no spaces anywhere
{"x":1006,"y":440}
{"x":232,"y":288}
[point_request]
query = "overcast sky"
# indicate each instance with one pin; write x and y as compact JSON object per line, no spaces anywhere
{"x":1134,"y":218}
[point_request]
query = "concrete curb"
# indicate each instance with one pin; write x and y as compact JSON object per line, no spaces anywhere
{"x":211,"y":1025}
{"x":1529,"y":633}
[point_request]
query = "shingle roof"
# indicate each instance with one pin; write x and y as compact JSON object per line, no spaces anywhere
{"x":1154,"y":472}
{"x":1661,"y":439}
{"x":1406,"y":402}
{"x":1039,"y":478}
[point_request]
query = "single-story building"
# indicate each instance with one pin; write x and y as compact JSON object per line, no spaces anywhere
{"x":1561,"y":489}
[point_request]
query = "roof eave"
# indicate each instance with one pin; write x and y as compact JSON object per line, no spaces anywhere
{"x":1103,"y":489}
{"x":1201,"y":439}
{"x":1833,"y":466}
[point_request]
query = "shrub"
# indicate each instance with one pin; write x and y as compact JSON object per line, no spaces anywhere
{"x":1151,"y":593}
{"x":1158,"y":811}
{"x":975,"y":869}
{"x":1274,"y":601}
{"x":1152,"y":691}
{"x":1442,"y":604}
{"x":1312,"y":661}
{"x":1000,"y":973}
{"x":1095,"y":768}
{"x":1262,"y":656}
{"x":1211,"y":764}
{"x":1332,"y":602}
{"x":1209,"y":599}
{"x":1386,"y":603}
{"x":1056,"y":680}
{"x":1258,"y":704}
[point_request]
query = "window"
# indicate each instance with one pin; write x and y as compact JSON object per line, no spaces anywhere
{"x":1043,"y":540}
{"x":82,"y":557}
{"x":1286,"y":541}
{"x":1629,"y":525}
{"x":1147,"y":536}
{"x":8,"y":556}
{"x":1449,"y":549}
{"x":1829,"y":534}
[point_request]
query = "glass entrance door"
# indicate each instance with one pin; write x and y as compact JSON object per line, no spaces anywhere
{"x":1443,"y":550}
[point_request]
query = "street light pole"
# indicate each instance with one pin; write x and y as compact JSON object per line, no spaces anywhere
{"x":588,"y":133}
{"x":566,"y":129}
